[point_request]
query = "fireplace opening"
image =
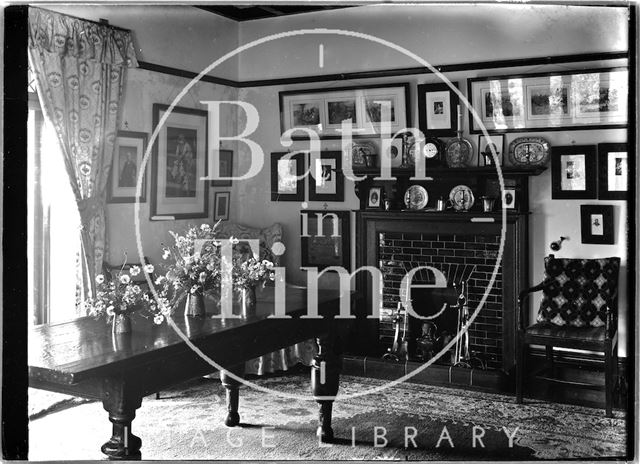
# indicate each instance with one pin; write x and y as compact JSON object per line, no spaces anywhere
{"x":467,"y":262}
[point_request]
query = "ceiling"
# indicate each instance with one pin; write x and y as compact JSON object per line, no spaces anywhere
{"x":261,"y":11}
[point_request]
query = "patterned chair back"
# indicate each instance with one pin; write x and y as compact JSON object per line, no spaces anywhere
{"x":267,"y":236}
{"x":577,"y":291}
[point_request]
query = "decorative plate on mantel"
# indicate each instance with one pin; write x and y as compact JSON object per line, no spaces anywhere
{"x":529,"y":151}
{"x":461,"y":198}
{"x":416,"y":197}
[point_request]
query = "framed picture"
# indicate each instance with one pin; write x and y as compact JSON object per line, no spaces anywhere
{"x":221,"y":206}
{"x":394,"y":153}
{"x":550,"y":101}
{"x":365,"y":108}
{"x":485,"y":155}
{"x":613,"y":171}
{"x":287,"y":176}
{"x":574,"y":172}
{"x":437,"y":110}
{"x":127,"y":159}
{"x":326,"y":182}
{"x":225,"y":160}
{"x":179,"y":162}
{"x":325,"y":238}
{"x":374,"y":198}
{"x":596,"y":224}
{"x":509,"y":198}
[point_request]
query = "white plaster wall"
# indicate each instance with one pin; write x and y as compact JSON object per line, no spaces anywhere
{"x":142,"y":90}
{"x":177,"y":36}
{"x":441,"y":34}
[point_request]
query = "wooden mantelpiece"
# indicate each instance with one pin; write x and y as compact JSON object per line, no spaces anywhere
{"x":438,"y":181}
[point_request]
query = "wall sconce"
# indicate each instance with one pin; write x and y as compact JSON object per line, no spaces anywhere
{"x":555,"y":246}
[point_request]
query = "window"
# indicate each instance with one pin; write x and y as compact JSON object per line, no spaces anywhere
{"x":54,"y":241}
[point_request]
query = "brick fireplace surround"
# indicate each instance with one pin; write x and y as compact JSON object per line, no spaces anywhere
{"x":395,"y":241}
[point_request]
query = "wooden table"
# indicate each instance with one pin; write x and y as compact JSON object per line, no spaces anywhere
{"x":84,"y":358}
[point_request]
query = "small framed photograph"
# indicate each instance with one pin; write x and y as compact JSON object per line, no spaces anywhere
{"x":485,"y":154}
{"x":221,"y":206}
{"x":374,"y":198}
{"x":437,"y":107}
{"x":509,"y":198}
{"x":179,"y":163}
{"x":325,"y":237}
{"x":127,"y":159}
{"x":287,"y":176}
{"x":224,"y":159}
{"x":613,"y":171}
{"x":394,"y":152}
{"x":326,"y":182}
{"x":596,"y":223}
{"x":574,"y":172}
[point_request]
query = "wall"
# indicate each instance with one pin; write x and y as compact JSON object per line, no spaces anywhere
{"x":182,"y":37}
{"x":142,"y":90}
{"x":530,"y":31}
{"x":441,"y":34}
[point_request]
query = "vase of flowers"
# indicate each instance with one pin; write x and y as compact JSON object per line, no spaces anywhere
{"x":118,"y":297}
{"x":195,"y":267}
{"x":249,"y":300}
{"x":193,"y":270}
{"x":194,"y":306}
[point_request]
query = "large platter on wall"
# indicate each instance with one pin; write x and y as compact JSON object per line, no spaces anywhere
{"x":529,"y":151}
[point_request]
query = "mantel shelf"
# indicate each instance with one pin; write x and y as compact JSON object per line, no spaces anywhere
{"x":483,"y":171}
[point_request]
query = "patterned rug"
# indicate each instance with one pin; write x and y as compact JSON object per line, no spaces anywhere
{"x":405,"y":422}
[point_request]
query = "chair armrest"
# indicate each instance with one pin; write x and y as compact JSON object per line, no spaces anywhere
{"x":521,"y":297}
{"x":611,"y":315}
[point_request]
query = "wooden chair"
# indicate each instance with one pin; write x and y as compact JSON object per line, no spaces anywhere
{"x":579,"y":310}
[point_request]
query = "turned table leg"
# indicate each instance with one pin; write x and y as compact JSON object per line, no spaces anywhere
{"x":232,"y":387}
{"x":325,"y":373}
{"x":121,"y":406}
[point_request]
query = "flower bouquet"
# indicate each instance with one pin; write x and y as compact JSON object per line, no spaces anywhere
{"x":118,"y":297}
{"x":196,"y":268}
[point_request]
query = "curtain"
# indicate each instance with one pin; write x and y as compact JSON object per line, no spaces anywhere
{"x":80,"y":69}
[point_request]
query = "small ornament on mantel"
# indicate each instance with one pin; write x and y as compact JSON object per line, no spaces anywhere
{"x":126,"y":125}
{"x":325,"y":206}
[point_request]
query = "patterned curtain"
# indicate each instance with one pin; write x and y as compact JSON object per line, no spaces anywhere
{"x":80,"y":71}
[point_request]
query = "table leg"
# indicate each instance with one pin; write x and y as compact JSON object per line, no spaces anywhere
{"x":121,"y":406}
{"x":325,"y":373}
{"x":232,"y":387}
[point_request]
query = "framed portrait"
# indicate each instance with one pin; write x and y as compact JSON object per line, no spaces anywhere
{"x":125,"y":168}
{"x":613,"y":171}
{"x":394,"y":151}
{"x":221,"y":206}
{"x":550,"y":101}
{"x":574,"y":172}
{"x":596,"y":224}
{"x":509,"y":198}
{"x":287,"y":176}
{"x":224,"y":158}
{"x":367,"y":108}
{"x":325,"y":238}
{"x":437,"y":110}
{"x":485,"y":155}
{"x":374,"y":198}
{"x":179,"y":163}
{"x":326,"y":182}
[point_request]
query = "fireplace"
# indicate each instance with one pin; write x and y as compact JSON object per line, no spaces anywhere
{"x":464,"y":260}
{"x":396,"y":242}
